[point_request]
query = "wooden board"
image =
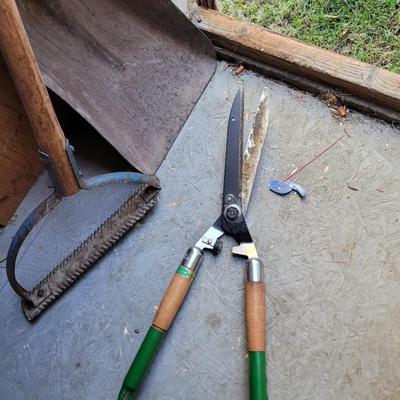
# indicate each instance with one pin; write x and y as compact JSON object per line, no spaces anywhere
{"x":134,"y":70}
{"x":311,"y":85}
{"x":356,"y":78}
{"x":20,"y":164}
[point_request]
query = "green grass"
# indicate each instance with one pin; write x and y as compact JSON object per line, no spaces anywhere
{"x":367,"y":30}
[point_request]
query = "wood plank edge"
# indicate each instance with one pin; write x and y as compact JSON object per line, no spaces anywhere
{"x":368,"y":100}
{"x":312,"y":86}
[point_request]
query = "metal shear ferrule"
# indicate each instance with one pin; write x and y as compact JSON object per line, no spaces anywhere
{"x":254,"y":270}
{"x":192,"y":259}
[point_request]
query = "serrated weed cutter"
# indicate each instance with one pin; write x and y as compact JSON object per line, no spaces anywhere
{"x":237,"y":189}
{"x":58,"y":157}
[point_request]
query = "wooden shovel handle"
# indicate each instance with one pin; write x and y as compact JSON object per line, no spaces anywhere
{"x":18,"y":54}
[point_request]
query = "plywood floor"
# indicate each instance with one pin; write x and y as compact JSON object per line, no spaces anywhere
{"x":331,"y":264}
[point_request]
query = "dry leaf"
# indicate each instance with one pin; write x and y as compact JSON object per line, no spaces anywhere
{"x":239,"y":70}
{"x":342,"y":110}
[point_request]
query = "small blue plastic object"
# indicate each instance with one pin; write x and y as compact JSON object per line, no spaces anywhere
{"x":299,"y":190}
{"x":279,"y":187}
{"x":284,"y":187}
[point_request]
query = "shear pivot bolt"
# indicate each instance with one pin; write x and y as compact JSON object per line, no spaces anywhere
{"x":232,"y":213}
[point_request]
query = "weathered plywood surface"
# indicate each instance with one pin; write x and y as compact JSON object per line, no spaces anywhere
{"x":331,"y":266}
{"x":20,"y":164}
{"x":133,"y":69}
{"x":354,"y":77}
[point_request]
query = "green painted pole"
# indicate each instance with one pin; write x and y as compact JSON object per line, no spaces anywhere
{"x":170,"y":304}
{"x":258,"y":378}
{"x":141,"y":363}
{"x":169,"y":307}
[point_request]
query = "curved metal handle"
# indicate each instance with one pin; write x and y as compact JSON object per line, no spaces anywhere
{"x":34,"y":217}
{"x":74,"y":265}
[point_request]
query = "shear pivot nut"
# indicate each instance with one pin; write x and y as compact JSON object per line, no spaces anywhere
{"x":232,"y":213}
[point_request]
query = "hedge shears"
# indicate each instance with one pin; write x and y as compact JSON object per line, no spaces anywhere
{"x":238,"y":182}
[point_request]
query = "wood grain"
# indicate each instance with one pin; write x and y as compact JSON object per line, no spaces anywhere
{"x":24,"y":70}
{"x":356,"y":78}
{"x":20,"y":164}
{"x":172,"y":301}
{"x":255,"y":315}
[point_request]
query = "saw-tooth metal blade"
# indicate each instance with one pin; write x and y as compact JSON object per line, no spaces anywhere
{"x":253,"y":147}
{"x":88,"y":252}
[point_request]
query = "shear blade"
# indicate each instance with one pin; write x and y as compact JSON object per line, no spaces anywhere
{"x":233,"y":158}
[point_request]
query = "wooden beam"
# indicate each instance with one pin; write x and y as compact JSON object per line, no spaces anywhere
{"x":24,"y":70}
{"x":313,"y":86}
{"x":20,"y":164}
{"x":355,"y":78}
